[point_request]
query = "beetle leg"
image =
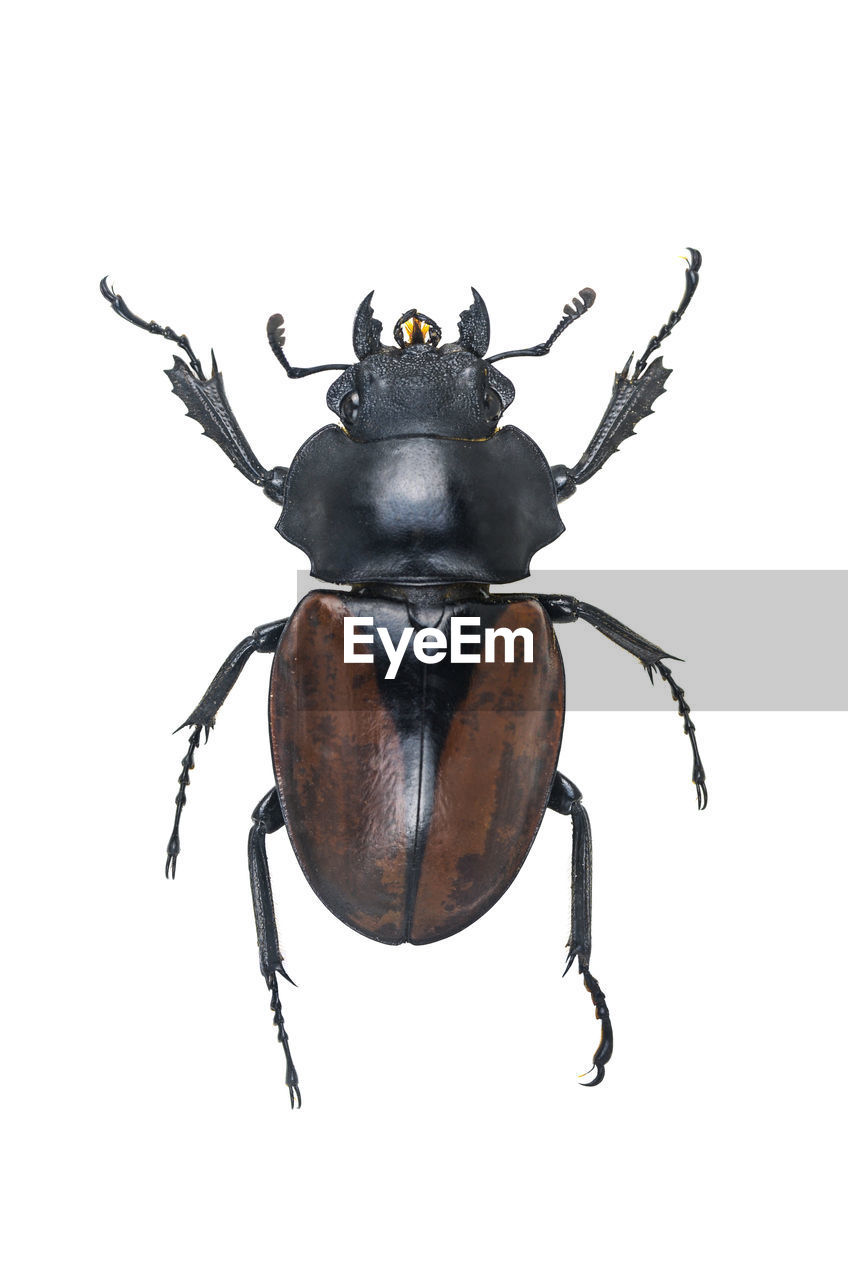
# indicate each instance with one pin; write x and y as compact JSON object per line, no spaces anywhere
{"x":633,"y":396}
{"x":566,"y":798}
{"x":699,"y":777}
{"x":263,"y":639}
{"x":187,"y":763}
{"x":117,"y":304}
{"x":568,"y":609}
{"x":202,"y":719}
{"x":268,"y":817}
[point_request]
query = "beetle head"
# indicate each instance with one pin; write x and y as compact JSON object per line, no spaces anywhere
{"x":418,"y":387}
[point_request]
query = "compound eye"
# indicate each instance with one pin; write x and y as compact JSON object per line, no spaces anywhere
{"x":349,"y":409}
{"x":492,"y":404}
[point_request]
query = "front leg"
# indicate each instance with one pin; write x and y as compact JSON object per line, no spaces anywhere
{"x":568,"y":609}
{"x":206,"y":401}
{"x":632,"y":399}
{"x":202,"y":719}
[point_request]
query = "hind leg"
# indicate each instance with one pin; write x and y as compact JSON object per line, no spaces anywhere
{"x":565,"y":798}
{"x":268,"y":817}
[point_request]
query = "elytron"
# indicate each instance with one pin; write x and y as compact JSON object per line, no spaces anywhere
{"x":411,"y":802}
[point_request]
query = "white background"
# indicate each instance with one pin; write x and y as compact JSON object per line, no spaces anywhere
{"x":224,"y":162}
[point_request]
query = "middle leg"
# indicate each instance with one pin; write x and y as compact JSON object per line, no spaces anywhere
{"x":202,"y":719}
{"x":568,"y":609}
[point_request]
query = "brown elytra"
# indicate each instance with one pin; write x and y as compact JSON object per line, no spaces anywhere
{"x":412,"y":803}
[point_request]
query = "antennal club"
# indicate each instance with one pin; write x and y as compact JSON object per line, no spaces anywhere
{"x":571,"y":311}
{"x":276,"y":331}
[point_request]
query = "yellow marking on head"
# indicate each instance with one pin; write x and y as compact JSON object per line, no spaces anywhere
{"x":416,"y":330}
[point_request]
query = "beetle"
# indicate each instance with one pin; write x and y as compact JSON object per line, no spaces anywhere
{"x":412,"y":780}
